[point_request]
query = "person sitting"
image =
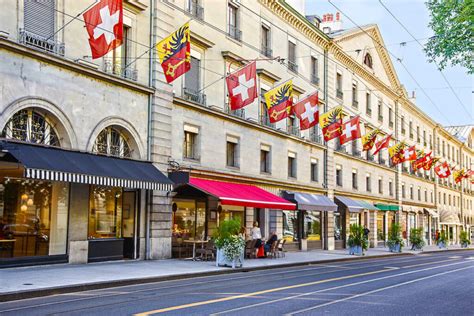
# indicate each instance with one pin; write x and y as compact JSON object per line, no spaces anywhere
{"x":270,"y":241}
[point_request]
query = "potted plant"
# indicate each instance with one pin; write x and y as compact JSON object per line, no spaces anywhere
{"x":230,"y":246}
{"x":356,"y":241}
{"x":442,"y":241}
{"x":395,"y":240}
{"x":416,"y":239}
{"x":464,"y":239}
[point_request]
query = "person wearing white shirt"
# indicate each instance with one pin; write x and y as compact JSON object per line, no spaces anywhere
{"x":257,"y":235}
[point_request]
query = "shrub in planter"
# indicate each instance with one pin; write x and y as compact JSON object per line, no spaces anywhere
{"x":416,"y":238}
{"x":395,"y":240}
{"x":464,"y":237}
{"x":230,"y":246}
{"x":356,"y":241}
{"x":442,"y":241}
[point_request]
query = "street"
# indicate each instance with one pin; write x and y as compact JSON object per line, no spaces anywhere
{"x":424,"y":284}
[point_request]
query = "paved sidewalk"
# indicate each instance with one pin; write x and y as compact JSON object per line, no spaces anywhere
{"x":59,"y":277}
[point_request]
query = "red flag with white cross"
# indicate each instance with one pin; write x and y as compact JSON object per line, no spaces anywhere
{"x":242,"y":86}
{"x":381,"y":144}
{"x":408,"y":154}
{"x":443,"y":170}
{"x":350,"y":130}
{"x":104,"y":23}
{"x":307,"y":111}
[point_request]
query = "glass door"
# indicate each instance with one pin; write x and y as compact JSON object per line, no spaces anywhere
{"x":128,"y":224}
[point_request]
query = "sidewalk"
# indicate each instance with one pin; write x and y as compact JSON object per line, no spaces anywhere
{"x":17,"y":283}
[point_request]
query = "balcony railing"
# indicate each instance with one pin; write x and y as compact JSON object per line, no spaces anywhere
{"x":292,"y":66}
{"x":194,"y":96}
{"x":315,"y":79}
{"x":315,"y":137}
{"x":117,"y":69}
{"x":390,"y":124}
{"x":196,"y":10}
{"x":341,"y":148}
{"x":266,"y":51}
{"x":294,"y":130}
{"x":382,"y":161}
{"x":235,"y":32}
{"x":41,"y":43}
{"x":370,"y":157}
{"x":265,"y":120}
{"x":238,"y":112}
{"x":356,"y":153}
{"x":355,"y":104}
{"x":369,"y":111}
{"x":380,"y":118}
{"x":339,"y":94}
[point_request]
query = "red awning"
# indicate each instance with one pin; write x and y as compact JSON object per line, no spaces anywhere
{"x":241,"y":194}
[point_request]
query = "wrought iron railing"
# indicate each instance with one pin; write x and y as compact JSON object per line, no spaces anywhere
{"x":41,"y":43}
{"x":234,"y":32}
{"x":117,"y":69}
{"x":194,"y":96}
{"x":196,"y":10}
{"x":292,"y":66}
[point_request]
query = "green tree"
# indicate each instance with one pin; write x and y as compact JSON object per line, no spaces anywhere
{"x":453,"y":42}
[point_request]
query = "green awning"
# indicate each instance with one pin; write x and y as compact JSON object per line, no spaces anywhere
{"x":387,"y":207}
{"x":368,"y":206}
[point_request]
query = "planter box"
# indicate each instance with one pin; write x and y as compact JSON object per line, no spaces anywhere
{"x":356,"y":250}
{"x":395,"y":248}
{"x":221,"y":260}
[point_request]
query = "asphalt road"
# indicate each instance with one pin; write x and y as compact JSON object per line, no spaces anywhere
{"x":425,"y":284}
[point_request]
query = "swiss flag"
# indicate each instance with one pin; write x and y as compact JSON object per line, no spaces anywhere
{"x":242,"y":86}
{"x":307,"y":111}
{"x":350,"y":130}
{"x":104,"y":23}
{"x":381,"y":144}
{"x":408,"y":154}
{"x":443,"y":170}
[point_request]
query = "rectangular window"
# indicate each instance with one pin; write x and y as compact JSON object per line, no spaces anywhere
{"x":411,"y":193}
{"x":402,"y":124}
{"x":419,"y":194}
{"x":234,"y":25}
{"x":403,"y":191}
{"x":339,"y":176}
{"x":266,"y":41}
{"x":189,"y":221}
{"x":189,"y":147}
{"x":314,"y":70}
{"x":410,"y":129}
{"x":105,"y":212}
{"x":192,"y":83}
{"x":314,"y":170}
{"x":292,"y":56}
{"x":264,"y":118}
{"x":339,"y":93}
{"x":380,"y":186}
{"x":33,"y":218}
{"x":368,"y":183}
{"x":390,"y":117}
{"x":291,"y":165}
{"x":426,"y":196}
{"x":355,"y":100}
{"x":121,"y":57}
{"x":232,"y":153}
{"x":431,"y":196}
{"x":390,"y":188}
{"x":195,"y":9}
{"x":380,"y":110}
{"x":265,"y":160}
{"x":354,"y":179}
{"x":368,"y":105}
{"x":418,"y":136}
{"x":424,"y":138}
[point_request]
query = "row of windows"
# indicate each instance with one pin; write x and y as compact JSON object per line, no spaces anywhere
{"x":368,"y":181}
{"x":412,"y":196}
{"x":448,"y":199}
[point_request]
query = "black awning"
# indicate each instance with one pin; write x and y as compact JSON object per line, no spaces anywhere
{"x":56,"y":164}
{"x":310,"y":202}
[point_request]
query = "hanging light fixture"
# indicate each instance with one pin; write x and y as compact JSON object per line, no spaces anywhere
{"x":29,"y":202}
{"x":24,"y":197}
{"x":23,"y":208}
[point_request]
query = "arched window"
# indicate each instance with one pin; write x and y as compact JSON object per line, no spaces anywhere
{"x":31,"y":126}
{"x":111,"y":141}
{"x":368,"y":60}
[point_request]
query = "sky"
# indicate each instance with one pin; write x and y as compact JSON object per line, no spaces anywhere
{"x":445,"y":108}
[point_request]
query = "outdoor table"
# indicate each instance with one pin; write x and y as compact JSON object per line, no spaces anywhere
{"x":194,"y":242}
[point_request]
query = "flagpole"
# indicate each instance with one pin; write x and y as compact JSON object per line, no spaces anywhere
{"x":69,"y":22}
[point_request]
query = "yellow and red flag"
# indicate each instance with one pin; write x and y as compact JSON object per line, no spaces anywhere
{"x":458,"y":175}
{"x":368,"y":140}
{"x":396,"y":153}
{"x":420,"y":162}
{"x":331,"y":123}
{"x":279,"y":101}
{"x":430,"y":163}
{"x":174,"y":53}
{"x":381,"y":144}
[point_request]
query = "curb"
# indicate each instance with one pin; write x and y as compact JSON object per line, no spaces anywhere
{"x":13,"y":296}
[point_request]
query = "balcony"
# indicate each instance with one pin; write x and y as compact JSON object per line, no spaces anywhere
{"x":293,"y":66}
{"x":293,"y":130}
{"x":235,"y":32}
{"x":355,"y":104}
{"x":239,"y":112}
{"x":41,"y":43}
{"x":315,"y":137}
{"x":369,"y":111}
{"x":194,"y":96}
{"x":267,"y":51}
{"x":382,"y":161}
{"x":196,"y":10}
{"x":370,"y":157}
{"x":390,"y":124}
{"x":315,"y":79}
{"x":117,"y":69}
{"x":339,"y":94}
{"x":356,"y":153}
{"x":265,"y":120}
{"x":341,"y":148}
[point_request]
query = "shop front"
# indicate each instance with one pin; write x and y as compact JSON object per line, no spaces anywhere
{"x":451,"y":225}
{"x":386,"y":217}
{"x":307,"y":227}
{"x":66,"y":206}
{"x":431,"y":225}
{"x":371,"y":221}
{"x":199,"y":205}
{"x":349,"y":212}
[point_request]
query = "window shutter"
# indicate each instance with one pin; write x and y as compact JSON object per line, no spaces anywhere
{"x":40,"y":16}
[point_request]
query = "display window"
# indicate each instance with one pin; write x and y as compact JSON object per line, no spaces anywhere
{"x":312,"y":224}
{"x":33,"y":218}
{"x":105,"y":212}
{"x":189,"y":220}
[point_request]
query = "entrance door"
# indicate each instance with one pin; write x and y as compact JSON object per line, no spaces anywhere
{"x":129,"y":228}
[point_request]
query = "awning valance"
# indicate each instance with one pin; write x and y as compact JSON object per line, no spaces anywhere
{"x":310,"y":202}
{"x":387,"y":207}
{"x":57,"y":164}
{"x":241,"y":194}
{"x":352,"y":206}
{"x":449,"y":217}
{"x":368,"y":206}
{"x":433,"y":213}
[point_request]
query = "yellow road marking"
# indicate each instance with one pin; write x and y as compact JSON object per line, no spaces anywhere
{"x":423,"y":264}
{"x":224,"y":299}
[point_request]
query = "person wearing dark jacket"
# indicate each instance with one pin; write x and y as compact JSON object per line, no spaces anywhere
{"x":366,"y":232}
{"x":270,"y":241}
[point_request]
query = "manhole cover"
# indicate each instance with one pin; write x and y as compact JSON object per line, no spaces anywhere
{"x":27,"y":283}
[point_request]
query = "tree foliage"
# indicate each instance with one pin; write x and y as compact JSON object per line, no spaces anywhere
{"x":453,"y":24}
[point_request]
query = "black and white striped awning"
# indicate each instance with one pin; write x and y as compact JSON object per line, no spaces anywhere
{"x":56,"y":164}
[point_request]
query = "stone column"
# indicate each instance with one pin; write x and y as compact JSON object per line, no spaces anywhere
{"x":160,"y":226}
{"x":329,"y":231}
{"x":372,"y":226}
{"x":78,"y":223}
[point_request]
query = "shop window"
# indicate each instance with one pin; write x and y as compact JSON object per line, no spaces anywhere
{"x":31,"y":126}
{"x":380,"y":226}
{"x":337,"y":226}
{"x":33,"y":218}
{"x":312,"y":226}
{"x":111,"y":141}
{"x":105,"y":212}
{"x":189,"y":218}
{"x":290,"y":226}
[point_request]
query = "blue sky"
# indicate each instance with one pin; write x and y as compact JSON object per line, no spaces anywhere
{"x":414,"y":15}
